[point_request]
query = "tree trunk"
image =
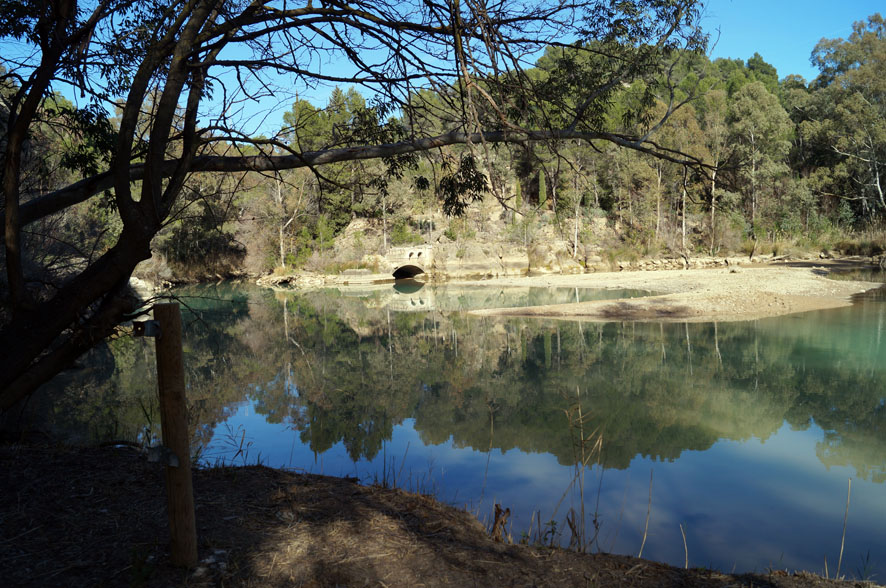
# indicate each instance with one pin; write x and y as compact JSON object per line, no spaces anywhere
{"x":577,"y":216}
{"x":18,"y":125}
{"x":278,"y":197}
{"x":683,"y":209}
{"x":32,"y":333}
{"x":384,"y":224}
{"x":753,"y":182}
{"x":658,"y":202}
{"x":877,"y":183}
{"x":713,"y":208}
{"x":552,"y":182}
{"x":282,"y":248}
{"x":596,"y":193}
{"x":12,"y":228}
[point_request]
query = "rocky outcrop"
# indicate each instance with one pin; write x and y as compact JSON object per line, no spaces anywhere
{"x":491,"y":243}
{"x":293,"y":281}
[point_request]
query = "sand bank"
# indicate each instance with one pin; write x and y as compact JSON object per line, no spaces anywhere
{"x":699,"y":295}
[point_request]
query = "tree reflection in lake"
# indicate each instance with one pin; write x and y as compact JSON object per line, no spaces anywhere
{"x":350,"y":369}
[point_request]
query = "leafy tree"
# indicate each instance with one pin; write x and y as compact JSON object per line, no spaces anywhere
{"x":732,"y":74}
{"x":305,"y":127}
{"x":763,"y":72}
{"x":200,"y":231}
{"x":682,"y":132}
{"x":760,"y":129}
{"x":716,"y":137}
{"x":849,"y":120}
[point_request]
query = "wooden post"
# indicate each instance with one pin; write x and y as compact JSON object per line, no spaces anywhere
{"x":174,"y":423}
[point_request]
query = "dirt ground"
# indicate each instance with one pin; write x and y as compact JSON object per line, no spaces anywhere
{"x":696,"y":295}
{"x":96,"y":517}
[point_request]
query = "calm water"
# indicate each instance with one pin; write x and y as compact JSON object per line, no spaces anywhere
{"x":749,"y":431}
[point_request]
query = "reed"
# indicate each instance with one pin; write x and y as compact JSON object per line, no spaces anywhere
{"x":685,"y":548}
{"x":236,"y":448}
{"x":845,"y":518}
{"x":587,"y":447}
{"x":648,"y":511}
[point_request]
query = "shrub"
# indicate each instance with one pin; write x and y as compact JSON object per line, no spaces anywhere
{"x":199,"y":246}
{"x":459,"y":230}
{"x":402,"y":233}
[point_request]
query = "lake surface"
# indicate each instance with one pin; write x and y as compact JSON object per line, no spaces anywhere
{"x":749,"y":432}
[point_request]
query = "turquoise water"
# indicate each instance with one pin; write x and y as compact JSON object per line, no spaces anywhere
{"x":749,"y":431}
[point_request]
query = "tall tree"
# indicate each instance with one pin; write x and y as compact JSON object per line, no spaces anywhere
{"x":849,"y":103}
{"x":763,"y":72}
{"x":716,"y":137}
{"x":199,"y":65}
{"x":682,"y":132}
{"x":761,"y":131}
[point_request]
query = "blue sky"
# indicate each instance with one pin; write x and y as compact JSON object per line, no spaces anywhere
{"x":784,"y":32}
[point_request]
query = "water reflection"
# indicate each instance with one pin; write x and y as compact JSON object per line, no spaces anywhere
{"x":751,"y":428}
{"x":408,"y":286}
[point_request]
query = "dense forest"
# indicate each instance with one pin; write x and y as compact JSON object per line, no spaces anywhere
{"x":780,"y":161}
{"x":628,"y":126}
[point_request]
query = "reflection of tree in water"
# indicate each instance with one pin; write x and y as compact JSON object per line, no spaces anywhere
{"x":116,"y":396}
{"x":88,"y":411}
{"x":653,"y":390}
{"x":214,"y":355}
{"x":340,"y":372}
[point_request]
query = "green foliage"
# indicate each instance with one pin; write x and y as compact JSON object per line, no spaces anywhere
{"x":763,"y":72}
{"x":845,"y":214}
{"x":88,"y":139}
{"x":462,"y":187}
{"x":621,"y":42}
{"x":198,"y":245}
{"x":355,"y":188}
{"x":459,"y":230}
{"x":866,"y":247}
{"x":325,"y":232}
{"x":306,"y":128}
{"x":796,"y":179}
{"x":402,"y":234}
{"x":310,"y":246}
{"x":843,"y":120}
{"x":522,"y":228}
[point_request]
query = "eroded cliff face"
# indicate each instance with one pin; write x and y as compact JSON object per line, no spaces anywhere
{"x":489,"y":242}
{"x":486,"y":242}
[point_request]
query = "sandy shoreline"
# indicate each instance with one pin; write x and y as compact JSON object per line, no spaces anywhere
{"x":696,"y":295}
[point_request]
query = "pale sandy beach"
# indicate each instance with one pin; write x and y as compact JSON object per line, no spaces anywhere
{"x":722,"y":294}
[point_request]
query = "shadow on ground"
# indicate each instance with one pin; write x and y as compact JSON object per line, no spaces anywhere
{"x":96,"y":517}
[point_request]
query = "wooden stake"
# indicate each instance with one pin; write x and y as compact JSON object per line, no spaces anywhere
{"x":174,"y":423}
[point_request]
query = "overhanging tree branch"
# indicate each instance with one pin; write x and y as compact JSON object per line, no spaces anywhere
{"x":83,"y":190}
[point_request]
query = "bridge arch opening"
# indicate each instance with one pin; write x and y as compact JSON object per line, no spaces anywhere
{"x":407,"y":271}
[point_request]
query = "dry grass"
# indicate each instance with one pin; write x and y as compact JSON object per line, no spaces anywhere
{"x":96,"y":517}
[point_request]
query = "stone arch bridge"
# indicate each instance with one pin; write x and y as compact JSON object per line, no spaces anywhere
{"x":409,"y":262}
